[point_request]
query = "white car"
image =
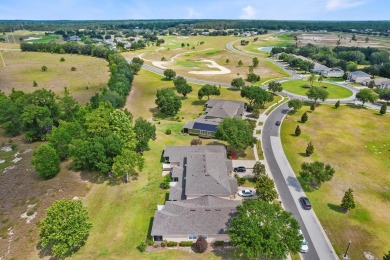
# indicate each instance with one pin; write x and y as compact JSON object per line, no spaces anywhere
{"x":246,"y":193}
{"x":304,"y":244}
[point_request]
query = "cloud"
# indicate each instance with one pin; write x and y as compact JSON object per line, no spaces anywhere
{"x":191,"y":13}
{"x":248,"y":12}
{"x":332,"y":5}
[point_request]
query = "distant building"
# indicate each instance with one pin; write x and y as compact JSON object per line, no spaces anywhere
{"x":358,"y":76}
{"x":333,"y":73}
{"x":216,"y":110}
{"x":74,"y":38}
{"x":379,"y":82}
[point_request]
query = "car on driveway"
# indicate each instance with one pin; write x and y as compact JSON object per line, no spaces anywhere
{"x":239,"y":169}
{"x":304,"y":244}
{"x":246,"y":193}
{"x":277,"y":122}
{"x":305,"y":203}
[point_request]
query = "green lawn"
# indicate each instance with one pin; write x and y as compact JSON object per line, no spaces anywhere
{"x":354,"y":141}
{"x":296,"y":87}
{"x":47,"y":39}
{"x":122,"y":214}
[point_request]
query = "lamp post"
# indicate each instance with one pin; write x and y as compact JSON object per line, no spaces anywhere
{"x":346,"y":251}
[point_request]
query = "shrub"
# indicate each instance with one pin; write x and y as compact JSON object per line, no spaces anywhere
{"x":142,"y":247}
{"x":256,"y":113}
{"x":35,"y":84}
{"x":186,"y":243}
{"x":309,"y":149}
{"x":240,"y":180}
{"x":165,"y":184}
{"x":43,"y":68}
{"x":196,"y":141}
{"x":62,"y":59}
{"x":297,"y":131}
{"x":73,"y":69}
{"x":312,"y":107}
{"x":164,"y":243}
{"x":219,"y":243}
{"x":232,"y":154}
{"x":150,"y":241}
{"x":171,"y":244}
{"x":304,"y":117}
{"x":168,"y":132}
{"x":201,"y":244}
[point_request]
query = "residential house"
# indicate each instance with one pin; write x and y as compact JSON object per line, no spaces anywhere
{"x":216,"y":110}
{"x":333,"y":73}
{"x":358,"y":76}
{"x":201,"y":195}
{"x":379,"y":82}
{"x":74,"y":38}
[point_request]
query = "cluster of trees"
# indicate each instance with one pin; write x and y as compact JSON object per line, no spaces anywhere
{"x":256,"y":96}
{"x":296,"y":63}
{"x":237,"y":132}
{"x":262,"y":229}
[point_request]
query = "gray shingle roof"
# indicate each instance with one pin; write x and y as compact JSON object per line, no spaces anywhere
{"x":177,"y":153}
{"x":208,"y":215}
{"x":359,"y":73}
{"x":224,"y":108}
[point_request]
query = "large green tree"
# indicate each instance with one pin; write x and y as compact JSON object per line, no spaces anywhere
{"x":264,"y":230}
{"x":237,"y":132}
{"x":316,"y":173}
{"x":256,"y":95}
{"x":36,"y":122}
{"x":184,"y":89}
{"x":238,"y":83}
{"x":179,"y":81}
{"x":126,"y":164}
{"x":208,"y":91}
{"x":168,"y":103}
{"x":384,"y":94}
{"x":316,"y":93}
{"x":258,"y":171}
{"x":295,"y":104}
{"x":265,"y":189}
{"x":46,"y":161}
{"x":144,"y":131}
{"x":275,"y":86}
{"x":366,"y":95}
{"x":9,"y":115}
{"x":169,"y":73}
{"x":65,"y":228}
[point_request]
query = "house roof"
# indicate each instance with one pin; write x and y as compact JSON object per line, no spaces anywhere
{"x":335,"y":70}
{"x":207,"y":215}
{"x":378,"y":81}
{"x":359,"y":73}
{"x":177,"y":153}
{"x":224,"y":108}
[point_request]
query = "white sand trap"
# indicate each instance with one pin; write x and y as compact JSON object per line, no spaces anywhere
{"x":213,"y":64}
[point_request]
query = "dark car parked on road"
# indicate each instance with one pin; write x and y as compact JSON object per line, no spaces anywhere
{"x":305,"y":202}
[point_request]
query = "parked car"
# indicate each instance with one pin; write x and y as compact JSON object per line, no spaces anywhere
{"x":305,"y":202}
{"x":239,"y":169}
{"x":246,"y":193}
{"x":277,"y":122}
{"x":304,"y":244}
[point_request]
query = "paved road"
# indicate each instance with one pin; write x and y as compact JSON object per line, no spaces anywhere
{"x":290,"y":190}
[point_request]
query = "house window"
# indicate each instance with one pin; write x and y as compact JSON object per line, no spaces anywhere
{"x":205,"y":236}
{"x":209,"y":133}
{"x":203,"y":132}
{"x":192,"y":237}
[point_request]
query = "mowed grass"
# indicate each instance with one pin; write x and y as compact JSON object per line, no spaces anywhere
{"x":272,"y":39}
{"x":22,"y":68}
{"x":122,"y":214}
{"x":355,"y":142}
{"x":297,"y":87}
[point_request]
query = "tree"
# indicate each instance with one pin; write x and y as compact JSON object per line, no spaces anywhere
{"x":295,"y":104}
{"x":184,"y":89}
{"x":275,"y":86}
{"x":252,"y":77}
{"x":265,"y":189}
{"x":62,"y":59}
{"x":168,"y":103}
{"x":240,"y":63}
{"x":208,"y":91}
{"x":169,"y":73}
{"x":383,"y":109}
{"x":311,"y":79}
{"x":36,"y":121}
{"x":309,"y":149}
{"x":65,"y":228}
{"x":304,"y":118}
{"x":43,"y":68}
{"x":9,"y":115}
{"x":320,"y":79}
{"x":316,"y":173}
{"x":126,"y":163}
{"x":255,"y":62}
{"x":379,"y":57}
{"x":135,"y":67}
{"x":366,"y":95}
{"x":238,"y":83}
{"x":348,"y":201}
{"x":297,"y":131}
{"x":237,"y":133}
{"x":201,"y":244}
{"x":227,"y":61}
{"x":68,"y":106}
{"x":35,"y":84}
{"x":312,"y":107}
{"x":384,"y":94}
{"x":258,"y":171}
{"x":337,"y":105}
{"x":317,"y":93}
{"x":250,"y":69}
{"x":256,"y":96}
{"x":264,"y":230}
{"x":46,"y":161}
{"x":179,"y":81}
{"x":137,"y":60}
{"x":371,"y":84}
{"x":144,"y":131}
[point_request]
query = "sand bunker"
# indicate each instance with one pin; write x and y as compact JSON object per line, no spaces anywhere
{"x":213,"y":64}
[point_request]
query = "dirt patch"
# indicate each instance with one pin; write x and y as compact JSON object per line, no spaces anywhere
{"x":24,"y":198}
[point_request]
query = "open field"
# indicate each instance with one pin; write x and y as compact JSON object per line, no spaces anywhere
{"x":354,"y":142}
{"x":122,"y":214}
{"x":22,"y":68}
{"x":296,"y":87}
{"x":47,"y":39}
{"x":273,"y":39}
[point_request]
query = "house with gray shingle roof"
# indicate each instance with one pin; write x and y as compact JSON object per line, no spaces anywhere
{"x":216,"y":110}
{"x":358,"y":76}
{"x":201,"y":195}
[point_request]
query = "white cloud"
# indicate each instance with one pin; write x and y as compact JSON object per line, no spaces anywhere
{"x":248,"y":12}
{"x":191,"y":13}
{"x":343,"y":4}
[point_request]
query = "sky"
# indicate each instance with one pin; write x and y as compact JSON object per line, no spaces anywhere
{"x":198,"y":9}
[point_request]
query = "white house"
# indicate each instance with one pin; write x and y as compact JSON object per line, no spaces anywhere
{"x":379,"y":82}
{"x":358,"y":76}
{"x":333,"y":73}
